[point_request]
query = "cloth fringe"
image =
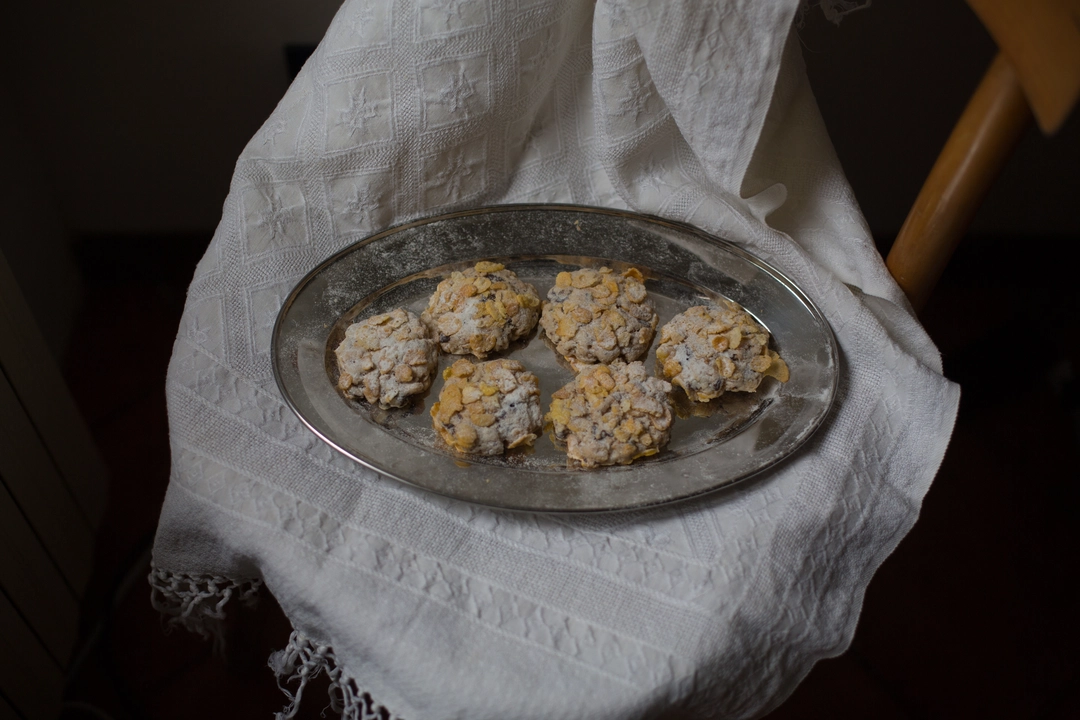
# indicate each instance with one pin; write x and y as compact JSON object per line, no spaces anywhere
{"x":302,"y":661}
{"x":197,"y":602}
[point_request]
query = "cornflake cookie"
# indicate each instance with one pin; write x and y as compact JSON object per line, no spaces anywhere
{"x":596,"y":316}
{"x":481,"y":310}
{"x":713,"y":349}
{"x":387,"y":358}
{"x":487,"y":408}
{"x":612,"y":414}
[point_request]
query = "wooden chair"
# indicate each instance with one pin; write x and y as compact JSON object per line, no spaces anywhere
{"x":1036,"y":72}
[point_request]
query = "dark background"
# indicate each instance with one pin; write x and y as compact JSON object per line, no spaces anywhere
{"x":123,"y":122}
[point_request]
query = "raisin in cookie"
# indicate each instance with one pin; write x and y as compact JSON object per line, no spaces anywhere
{"x":387,"y":358}
{"x":596,"y":316}
{"x":713,"y":349}
{"x":489,"y":407}
{"x":612,"y":414}
{"x":481,"y":310}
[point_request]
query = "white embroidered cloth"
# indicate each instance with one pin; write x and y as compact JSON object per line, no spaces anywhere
{"x":436,"y":609}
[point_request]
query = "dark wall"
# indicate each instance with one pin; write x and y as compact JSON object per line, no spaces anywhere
{"x":140,"y":109}
{"x":122,"y":121}
{"x":892,"y":80}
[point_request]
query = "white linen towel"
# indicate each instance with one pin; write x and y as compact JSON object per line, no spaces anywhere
{"x":432,"y":608}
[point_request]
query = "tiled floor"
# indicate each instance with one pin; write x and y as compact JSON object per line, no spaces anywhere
{"x":970,"y":617}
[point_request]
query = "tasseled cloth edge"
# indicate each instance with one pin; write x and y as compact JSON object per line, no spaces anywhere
{"x":302,"y":661}
{"x":197,"y":602}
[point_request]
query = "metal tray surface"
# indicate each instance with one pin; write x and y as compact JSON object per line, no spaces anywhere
{"x":712,"y":446}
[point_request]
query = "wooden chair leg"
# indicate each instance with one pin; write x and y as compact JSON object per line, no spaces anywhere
{"x":989,"y":128}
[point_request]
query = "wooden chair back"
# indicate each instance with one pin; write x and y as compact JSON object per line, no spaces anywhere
{"x":1036,"y":72}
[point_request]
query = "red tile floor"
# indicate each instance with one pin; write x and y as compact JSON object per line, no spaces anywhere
{"x":970,"y":617}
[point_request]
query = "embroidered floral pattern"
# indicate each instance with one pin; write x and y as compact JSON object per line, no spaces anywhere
{"x":274,"y":217}
{"x":274,"y":128}
{"x":455,"y":173}
{"x":543,"y":48}
{"x":356,"y":116}
{"x":456,"y":94}
{"x":361,"y":205}
{"x":635,"y":97}
{"x":451,"y":10}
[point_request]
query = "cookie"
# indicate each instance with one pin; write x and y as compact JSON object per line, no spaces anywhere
{"x":489,"y":407}
{"x":612,"y":414}
{"x":387,"y":358}
{"x":598,"y":316}
{"x":708,"y":350}
{"x":481,"y":310}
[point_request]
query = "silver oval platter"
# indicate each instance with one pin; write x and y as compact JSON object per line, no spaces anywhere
{"x":712,"y":445}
